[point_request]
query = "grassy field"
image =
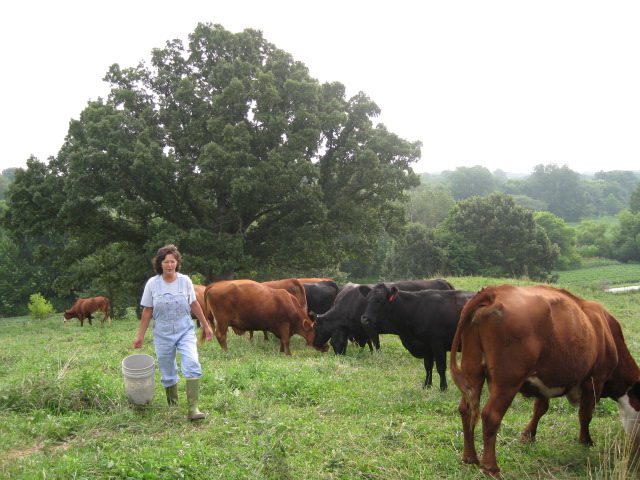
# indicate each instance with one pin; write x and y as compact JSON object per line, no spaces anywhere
{"x":601,"y":274}
{"x":312,"y":416}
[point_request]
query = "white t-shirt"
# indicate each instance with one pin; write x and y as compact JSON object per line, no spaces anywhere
{"x":173,"y":288}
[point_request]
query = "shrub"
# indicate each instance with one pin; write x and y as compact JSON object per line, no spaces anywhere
{"x":39,"y":306}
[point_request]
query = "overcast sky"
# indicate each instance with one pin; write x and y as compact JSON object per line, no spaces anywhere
{"x":503,"y":84}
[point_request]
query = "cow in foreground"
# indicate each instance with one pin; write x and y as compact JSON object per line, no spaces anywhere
{"x":542,"y":342}
{"x":425,"y":321}
{"x":86,"y":307}
{"x":249,"y":305}
{"x":342,"y":322}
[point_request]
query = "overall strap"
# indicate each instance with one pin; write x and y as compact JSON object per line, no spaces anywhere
{"x":159,"y":285}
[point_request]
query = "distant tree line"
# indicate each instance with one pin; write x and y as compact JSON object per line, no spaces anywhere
{"x":550,"y":188}
{"x":517,"y":226}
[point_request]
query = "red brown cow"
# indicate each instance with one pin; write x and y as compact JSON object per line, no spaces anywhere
{"x":249,"y":305}
{"x":543,"y":342}
{"x":291,"y":285}
{"x":85,"y":307}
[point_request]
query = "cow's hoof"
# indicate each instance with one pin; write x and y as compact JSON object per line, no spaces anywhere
{"x":492,"y":471}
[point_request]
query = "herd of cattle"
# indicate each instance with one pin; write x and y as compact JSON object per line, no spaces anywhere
{"x":541,"y":341}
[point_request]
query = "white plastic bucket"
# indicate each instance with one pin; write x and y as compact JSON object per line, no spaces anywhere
{"x":139,"y":378}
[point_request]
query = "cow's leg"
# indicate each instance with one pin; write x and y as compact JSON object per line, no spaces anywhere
{"x":370,"y":343}
{"x":283,"y":333}
{"x":466,"y":409}
{"x":440,"y":356}
{"x":585,"y":411}
{"x":266,"y":335}
{"x":339,"y":342}
{"x":428,"y":368}
{"x":469,"y":407}
{"x":81,"y":318}
{"x":540,"y":407}
{"x":500,"y":398}
{"x":375,"y":339}
{"x":221,"y":335}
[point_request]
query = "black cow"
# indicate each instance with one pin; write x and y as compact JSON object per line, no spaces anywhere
{"x":425,"y":321}
{"x":320,"y":296}
{"x":342,"y":322}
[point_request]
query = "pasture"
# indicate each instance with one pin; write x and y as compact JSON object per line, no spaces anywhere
{"x":312,"y":416}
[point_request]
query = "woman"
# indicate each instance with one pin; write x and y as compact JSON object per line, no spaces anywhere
{"x":169,"y":297}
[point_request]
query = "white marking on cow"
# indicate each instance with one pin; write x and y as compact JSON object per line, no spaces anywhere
{"x":630,"y":417}
{"x":544,"y":390}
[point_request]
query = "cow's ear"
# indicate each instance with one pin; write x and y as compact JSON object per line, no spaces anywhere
{"x":364,"y":290}
{"x":394,"y":292}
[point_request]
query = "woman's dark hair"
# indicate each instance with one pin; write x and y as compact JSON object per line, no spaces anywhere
{"x":162,"y":253}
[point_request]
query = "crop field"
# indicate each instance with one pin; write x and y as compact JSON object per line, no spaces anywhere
{"x":312,"y":416}
{"x":602,"y":274}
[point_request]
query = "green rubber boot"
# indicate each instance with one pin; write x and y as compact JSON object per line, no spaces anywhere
{"x":193,"y":386}
{"x":172,"y":394}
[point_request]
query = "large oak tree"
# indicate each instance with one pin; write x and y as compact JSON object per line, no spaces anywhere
{"x":229,"y":149}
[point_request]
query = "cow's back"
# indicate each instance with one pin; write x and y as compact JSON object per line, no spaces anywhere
{"x":417,"y":285}
{"x":94,"y":304}
{"x":320,"y":295}
{"x":291,"y":285}
{"x":77,"y":307}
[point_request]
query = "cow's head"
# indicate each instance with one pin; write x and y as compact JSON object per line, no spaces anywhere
{"x":629,"y":408}
{"x":308,"y":332}
{"x":66,"y":316}
{"x":323,"y":328}
{"x":379,"y":300}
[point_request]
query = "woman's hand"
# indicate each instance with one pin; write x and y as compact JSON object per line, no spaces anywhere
{"x":208,"y":332}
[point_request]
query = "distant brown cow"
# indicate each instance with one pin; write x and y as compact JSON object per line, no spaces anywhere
{"x":84,"y":307}
{"x":249,"y":305}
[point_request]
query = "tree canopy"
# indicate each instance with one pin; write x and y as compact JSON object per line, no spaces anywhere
{"x":226,"y":148}
{"x":501,"y":238}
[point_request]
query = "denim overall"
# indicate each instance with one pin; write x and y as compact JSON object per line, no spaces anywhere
{"x":173,"y":330}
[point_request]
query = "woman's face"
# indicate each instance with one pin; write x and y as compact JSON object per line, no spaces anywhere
{"x":169,"y":264}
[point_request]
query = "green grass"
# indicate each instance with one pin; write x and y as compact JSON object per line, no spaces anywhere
{"x":64,"y":412}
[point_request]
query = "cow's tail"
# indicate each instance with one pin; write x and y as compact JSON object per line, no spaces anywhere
{"x":208,"y":312}
{"x":107,"y":309}
{"x":212,"y":324}
{"x":462,"y":381}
